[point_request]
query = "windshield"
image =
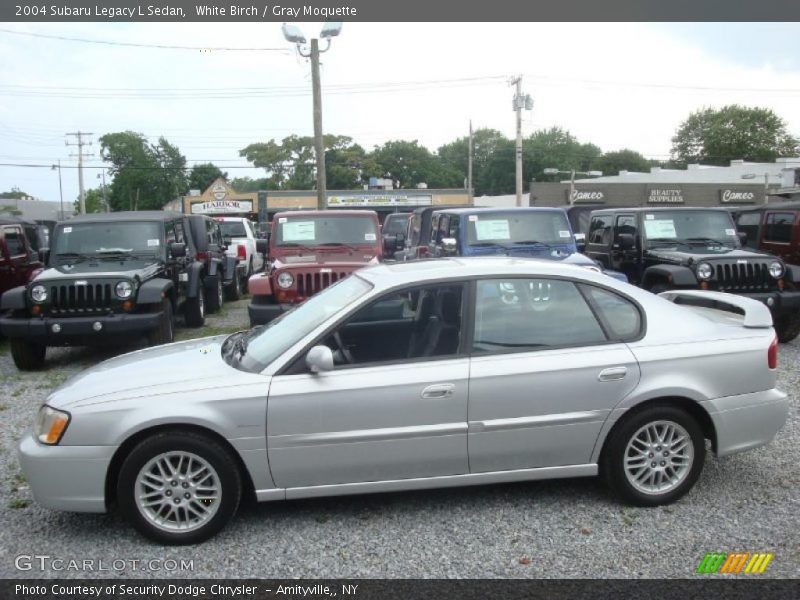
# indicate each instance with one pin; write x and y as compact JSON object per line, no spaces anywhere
{"x":112,"y":238}
{"x":395,"y":224}
{"x":233,"y":229}
{"x":269,"y":342}
{"x":325,"y":231}
{"x":506,"y":228}
{"x":689,"y":226}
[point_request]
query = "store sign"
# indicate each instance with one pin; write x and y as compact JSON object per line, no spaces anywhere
{"x":665,"y":196}
{"x":587,"y":196}
{"x":222,"y":207}
{"x":219,"y":191}
{"x":344,"y":200}
{"x":737,"y":197}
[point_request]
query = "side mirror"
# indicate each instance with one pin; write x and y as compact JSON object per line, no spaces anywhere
{"x":580,"y":241}
{"x":44,"y":255}
{"x":449,"y":245}
{"x":177,"y":250}
{"x":319,"y":359}
{"x":262,"y":246}
{"x":625,"y":240}
{"x":400,"y":241}
{"x":742,"y":235}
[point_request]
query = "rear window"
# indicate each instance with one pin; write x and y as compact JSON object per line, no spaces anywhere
{"x":233,"y":229}
{"x":778,"y":227}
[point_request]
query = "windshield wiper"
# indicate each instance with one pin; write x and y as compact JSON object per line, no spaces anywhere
{"x":488,"y":245}
{"x":295,"y":245}
{"x":667,"y":241}
{"x":704,"y":240}
{"x":351,"y":247}
{"x":76,"y":256}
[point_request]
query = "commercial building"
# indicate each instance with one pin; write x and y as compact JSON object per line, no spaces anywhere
{"x":740,"y":183}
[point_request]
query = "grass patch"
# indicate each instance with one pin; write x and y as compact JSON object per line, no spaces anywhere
{"x":18,"y":503}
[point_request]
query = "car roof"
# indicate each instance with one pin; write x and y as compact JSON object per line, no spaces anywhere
{"x":660,"y":208}
{"x":505,"y":209}
{"x":10,"y":220}
{"x":129,"y":215}
{"x":330,"y":212}
{"x":386,"y":275}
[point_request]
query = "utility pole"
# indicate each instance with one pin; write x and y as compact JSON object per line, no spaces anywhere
{"x":60,"y":191}
{"x":105,"y":199}
{"x":520,"y":102}
{"x":469,"y":165}
{"x":80,"y":144}
{"x":319,"y":145}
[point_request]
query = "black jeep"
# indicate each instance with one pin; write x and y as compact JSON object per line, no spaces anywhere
{"x":109,"y":277}
{"x":223,"y":276}
{"x":669,"y":248}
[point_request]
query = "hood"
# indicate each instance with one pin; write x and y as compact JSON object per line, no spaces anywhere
{"x":327,"y":258}
{"x":183,"y":366}
{"x":686,"y":255}
{"x":99,"y":269}
{"x":551,"y":252}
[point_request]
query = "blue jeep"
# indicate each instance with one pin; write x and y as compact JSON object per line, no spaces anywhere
{"x":530,"y":232}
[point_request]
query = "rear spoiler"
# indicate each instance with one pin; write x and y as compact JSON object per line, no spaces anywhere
{"x":756,"y":314}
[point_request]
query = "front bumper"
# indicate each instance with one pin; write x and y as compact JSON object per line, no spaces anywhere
{"x":261,"y":314}
{"x":779,"y":303}
{"x":66,"y":477}
{"x":77,"y":329}
{"x":748,"y":420}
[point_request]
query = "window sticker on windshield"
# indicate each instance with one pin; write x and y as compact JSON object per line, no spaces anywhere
{"x":67,"y":230}
{"x":299,"y":231}
{"x":151,"y":243}
{"x":492,"y":230}
{"x":730,"y":232}
{"x":649,"y":217}
{"x":282,"y":220}
{"x":660,"y":228}
{"x":473,"y":217}
{"x":369,"y":237}
{"x":563,"y":233}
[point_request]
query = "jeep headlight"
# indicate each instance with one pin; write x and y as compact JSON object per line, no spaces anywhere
{"x":50,"y":425}
{"x":704,"y":271}
{"x":776,"y":269}
{"x":285,"y":280}
{"x":39,"y":293}
{"x":124,"y":289}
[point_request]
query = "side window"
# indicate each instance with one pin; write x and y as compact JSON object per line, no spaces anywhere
{"x":421,"y":323}
{"x":620,"y":316}
{"x":454,"y":226}
{"x":169,"y":232}
{"x":600,"y":230}
{"x":778,"y":227}
{"x":443,"y":226}
{"x":748,"y":222}
{"x":519,"y":315}
{"x":179,"y":237}
{"x":625,"y":224}
{"x":14,"y":241}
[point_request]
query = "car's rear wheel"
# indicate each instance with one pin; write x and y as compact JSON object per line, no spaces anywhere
{"x":234,"y":289}
{"x":179,"y":487}
{"x":654,"y":456}
{"x":196,"y":309}
{"x":27,"y":355}
{"x":216,"y":296}
{"x":165,"y":332}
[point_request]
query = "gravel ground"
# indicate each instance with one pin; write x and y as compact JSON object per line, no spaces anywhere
{"x":570,"y":528}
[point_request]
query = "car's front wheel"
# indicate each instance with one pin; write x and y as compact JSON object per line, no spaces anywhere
{"x":654,"y":456}
{"x":179,"y":487}
{"x":216,"y":296}
{"x":27,"y":355}
{"x":165,"y":332}
{"x":196,"y":309}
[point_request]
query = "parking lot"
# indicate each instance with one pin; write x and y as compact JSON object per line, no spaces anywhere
{"x":571,"y":528}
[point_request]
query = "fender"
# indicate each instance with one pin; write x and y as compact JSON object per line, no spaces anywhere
{"x":214,"y":266}
{"x":229,"y":268}
{"x":678,"y":275}
{"x":260,"y":285}
{"x":153,"y":291}
{"x":13,"y":299}
{"x":792,"y":273}
{"x":194,"y":279}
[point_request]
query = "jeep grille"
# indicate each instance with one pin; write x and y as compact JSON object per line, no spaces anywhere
{"x":309,"y":284}
{"x":743,"y":277}
{"x":80,"y":298}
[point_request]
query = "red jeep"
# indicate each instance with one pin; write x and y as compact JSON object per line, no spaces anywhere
{"x":308,"y":251}
{"x":19,"y":259}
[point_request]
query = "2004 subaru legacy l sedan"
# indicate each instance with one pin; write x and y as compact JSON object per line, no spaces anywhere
{"x":416,"y":375}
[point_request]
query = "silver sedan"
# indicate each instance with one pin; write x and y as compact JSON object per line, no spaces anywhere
{"x":442,"y":373}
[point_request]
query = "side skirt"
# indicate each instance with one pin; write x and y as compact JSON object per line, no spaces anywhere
{"x":422,"y":483}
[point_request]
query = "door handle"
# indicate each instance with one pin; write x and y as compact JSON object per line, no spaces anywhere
{"x":613,"y":374}
{"x":440,"y":390}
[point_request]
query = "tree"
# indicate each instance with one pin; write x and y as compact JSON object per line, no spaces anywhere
{"x":248,"y":184}
{"x":556,"y":148}
{"x":203,"y":175}
{"x":492,"y":173}
{"x":14,"y":194}
{"x":145,"y":175}
{"x":717,"y":136}
{"x":410,"y":164}
{"x":611,"y":163}
{"x":93,"y":200}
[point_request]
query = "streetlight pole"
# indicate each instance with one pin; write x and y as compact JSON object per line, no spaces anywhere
{"x":469,"y":165}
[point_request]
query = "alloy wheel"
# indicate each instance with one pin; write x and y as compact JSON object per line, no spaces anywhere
{"x":658,"y":457}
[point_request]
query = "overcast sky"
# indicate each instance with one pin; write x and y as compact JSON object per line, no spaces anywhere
{"x":615,"y":85}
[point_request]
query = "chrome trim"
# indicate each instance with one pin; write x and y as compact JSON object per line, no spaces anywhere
{"x":537,"y":421}
{"x":364,"y":435}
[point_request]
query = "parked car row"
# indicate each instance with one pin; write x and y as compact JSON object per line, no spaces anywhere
{"x":111,"y":277}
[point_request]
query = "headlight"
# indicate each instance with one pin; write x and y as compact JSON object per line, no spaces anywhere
{"x":124,"y":289}
{"x":285,"y":280}
{"x":50,"y":425}
{"x":39,"y":293}
{"x":776,"y":269}
{"x":704,"y":271}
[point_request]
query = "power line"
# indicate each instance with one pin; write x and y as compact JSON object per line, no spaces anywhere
{"x":64,"y":38}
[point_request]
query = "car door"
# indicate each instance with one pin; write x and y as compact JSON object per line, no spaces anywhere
{"x":15,"y":259}
{"x":625,"y":259}
{"x":780,"y":230}
{"x":548,"y":365}
{"x":400,"y":417}
{"x":598,"y":240}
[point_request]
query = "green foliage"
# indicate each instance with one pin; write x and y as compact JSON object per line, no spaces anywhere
{"x":555,"y":148}
{"x":13,"y":194}
{"x":717,"y":136}
{"x":146,"y":176}
{"x":203,"y":175}
{"x":93,"y":200}
{"x":611,"y":163}
{"x":248,"y":184}
{"x":410,"y":164}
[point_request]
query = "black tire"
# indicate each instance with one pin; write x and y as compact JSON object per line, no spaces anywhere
{"x":615,"y":450}
{"x":216,"y":297}
{"x":787,"y":327}
{"x":228,"y":481}
{"x":195,"y":309}
{"x":27,"y":355}
{"x":165,"y":333}
{"x":234,"y":289}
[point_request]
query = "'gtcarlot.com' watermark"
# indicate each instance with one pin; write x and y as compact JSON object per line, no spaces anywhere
{"x":45,"y":562}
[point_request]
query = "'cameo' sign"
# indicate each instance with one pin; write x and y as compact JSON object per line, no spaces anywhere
{"x":737,"y":197}
{"x":587,"y":196}
{"x":664,"y":196}
{"x":222,"y":207}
